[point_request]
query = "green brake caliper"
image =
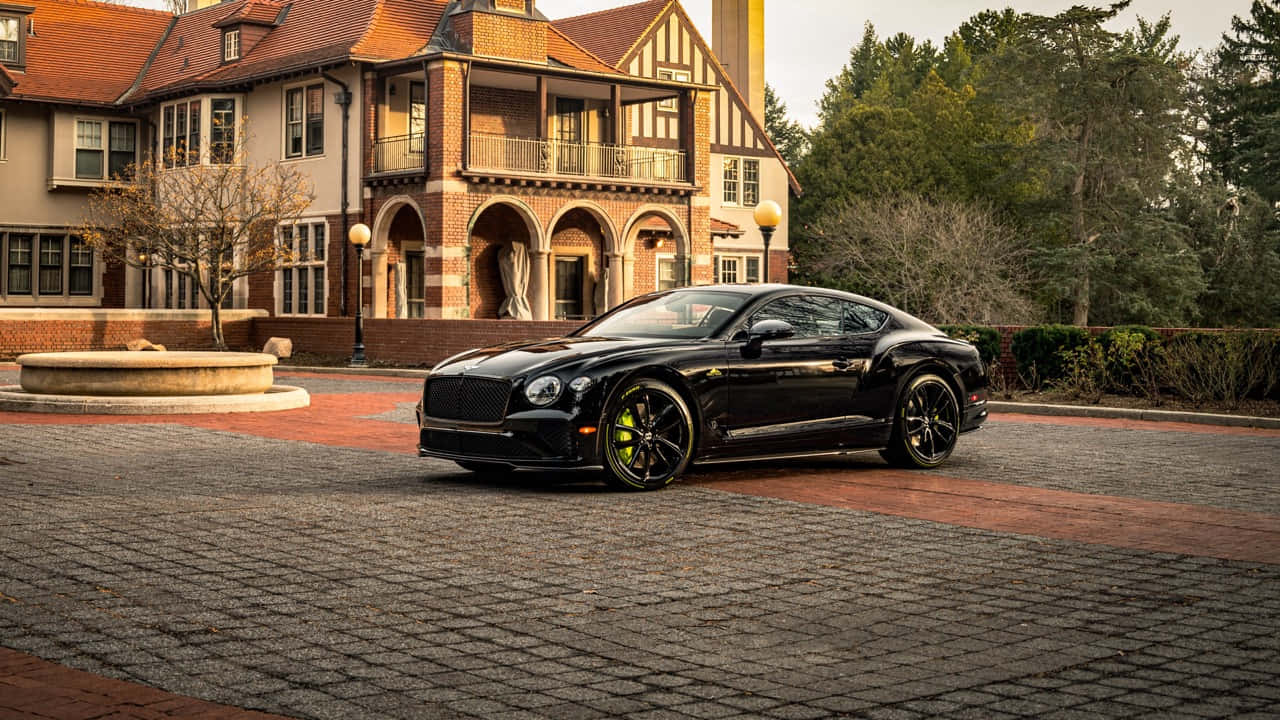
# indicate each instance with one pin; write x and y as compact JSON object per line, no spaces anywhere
{"x":619,"y":435}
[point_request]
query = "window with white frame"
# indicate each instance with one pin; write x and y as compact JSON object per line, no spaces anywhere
{"x":741,"y":181}
{"x":45,"y":264}
{"x":737,"y":268}
{"x":302,"y":279}
{"x":304,"y":121}
{"x":180,"y":133}
{"x":222,"y":131}
{"x":668,"y":273}
{"x":677,"y":75}
{"x":11,"y":39}
{"x":230,"y":45}
{"x":105,"y":149}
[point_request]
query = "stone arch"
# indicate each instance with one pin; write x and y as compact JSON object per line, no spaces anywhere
{"x":383,"y":251}
{"x":492,"y":226}
{"x":612,"y":242}
{"x":642,"y":261}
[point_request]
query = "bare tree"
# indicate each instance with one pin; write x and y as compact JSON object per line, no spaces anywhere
{"x":213,"y":217}
{"x":946,"y":261}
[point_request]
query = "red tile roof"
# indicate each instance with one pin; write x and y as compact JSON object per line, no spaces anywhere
{"x":400,"y":28}
{"x":6,"y":82}
{"x":256,"y":12}
{"x":720,"y":227}
{"x":87,"y":52}
{"x":610,"y":34}
{"x":562,"y":48}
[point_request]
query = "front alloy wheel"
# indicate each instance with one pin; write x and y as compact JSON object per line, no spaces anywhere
{"x":647,"y":437}
{"x":927,"y":424}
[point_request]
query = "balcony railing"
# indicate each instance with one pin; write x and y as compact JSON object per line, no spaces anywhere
{"x":556,"y":157}
{"x":399,"y":153}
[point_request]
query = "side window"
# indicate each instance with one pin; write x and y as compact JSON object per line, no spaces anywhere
{"x":859,"y":318}
{"x":811,"y":315}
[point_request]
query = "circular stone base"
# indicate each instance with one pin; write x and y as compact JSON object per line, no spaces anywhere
{"x":158,"y":374}
{"x":278,"y":397}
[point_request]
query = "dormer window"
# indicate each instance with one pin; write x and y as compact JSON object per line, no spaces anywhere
{"x":11,"y":40}
{"x":231,"y":45}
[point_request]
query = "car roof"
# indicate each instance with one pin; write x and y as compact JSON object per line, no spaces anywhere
{"x":762,"y":290}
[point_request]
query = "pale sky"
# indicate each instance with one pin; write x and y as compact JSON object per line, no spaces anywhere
{"x":808,"y":41}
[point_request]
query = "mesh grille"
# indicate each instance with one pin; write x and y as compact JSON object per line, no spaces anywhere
{"x":467,"y":399}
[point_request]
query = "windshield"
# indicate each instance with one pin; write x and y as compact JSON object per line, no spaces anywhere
{"x":687,"y":314}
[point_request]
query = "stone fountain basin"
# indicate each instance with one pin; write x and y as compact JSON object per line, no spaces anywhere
{"x":146,"y":374}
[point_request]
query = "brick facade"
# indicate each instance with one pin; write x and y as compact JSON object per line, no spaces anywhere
{"x":502,"y":36}
{"x":499,"y":111}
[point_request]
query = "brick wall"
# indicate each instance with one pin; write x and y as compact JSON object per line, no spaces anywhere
{"x":498,"y":111}
{"x":494,"y":35}
{"x":110,"y":330}
{"x":405,"y":342}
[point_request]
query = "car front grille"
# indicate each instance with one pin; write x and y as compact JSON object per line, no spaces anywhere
{"x":468,"y":399}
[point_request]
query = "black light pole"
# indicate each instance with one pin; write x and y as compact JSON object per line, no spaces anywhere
{"x":359,"y":235}
{"x":145,"y":259}
{"x":767,"y":216}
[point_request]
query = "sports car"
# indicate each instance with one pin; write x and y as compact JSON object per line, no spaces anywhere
{"x":707,"y":375}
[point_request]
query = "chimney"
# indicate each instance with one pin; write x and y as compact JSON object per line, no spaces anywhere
{"x":512,"y":29}
{"x":737,"y":39}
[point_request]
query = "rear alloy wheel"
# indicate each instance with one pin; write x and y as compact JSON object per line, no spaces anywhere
{"x":647,"y":437}
{"x":926,"y":426}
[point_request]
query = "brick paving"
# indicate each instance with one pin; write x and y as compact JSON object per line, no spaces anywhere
{"x":306,"y":564}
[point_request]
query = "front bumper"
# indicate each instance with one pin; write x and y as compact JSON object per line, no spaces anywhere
{"x":533,"y":439}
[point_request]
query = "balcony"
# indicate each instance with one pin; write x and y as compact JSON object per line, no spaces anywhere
{"x":588,"y":161}
{"x":402,"y":153}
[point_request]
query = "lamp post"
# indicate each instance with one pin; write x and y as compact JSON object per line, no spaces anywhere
{"x":144,"y":258}
{"x":767,"y":216}
{"x":359,"y":235}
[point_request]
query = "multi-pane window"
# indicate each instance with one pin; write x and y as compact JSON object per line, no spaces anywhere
{"x":80,"y":273}
{"x":677,"y":75}
{"x":668,"y":273}
{"x":737,"y":268}
{"x":52,"y":259}
{"x":20,"y":264}
{"x":732,"y":179}
{"x":89,"y":149}
{"x":304,"y":121}
{"x":231,"y":45}
{"x":741,"y":181}
{"x":302,"y":279}
{"x":105,"y":149}
{"x":222,"y":130}
{"x":10,"y":40}
{"x":122,"y":149}
{"x":180,"y":131}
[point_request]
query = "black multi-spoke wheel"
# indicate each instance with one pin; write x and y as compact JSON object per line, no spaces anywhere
{"x":647,"y":436}
{"x":927,"y":424}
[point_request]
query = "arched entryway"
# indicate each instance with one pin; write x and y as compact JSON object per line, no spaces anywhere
{"x":656,"y":247}
{"x":584,"y":264}
{"x":503,"y":231}
{"x":397,"y":261}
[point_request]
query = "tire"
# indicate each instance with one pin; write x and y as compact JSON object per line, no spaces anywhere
{"x":646,"y":440}
{"x":926,"y":424}
{"x":484,"y":468}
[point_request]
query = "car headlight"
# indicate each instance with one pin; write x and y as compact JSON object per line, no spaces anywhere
{"x":543,"y":391}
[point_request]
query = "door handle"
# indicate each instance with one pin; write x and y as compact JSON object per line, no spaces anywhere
{"x":842,"y":364}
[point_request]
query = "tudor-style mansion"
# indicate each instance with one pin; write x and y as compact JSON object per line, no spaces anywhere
{"x":507,"y":165}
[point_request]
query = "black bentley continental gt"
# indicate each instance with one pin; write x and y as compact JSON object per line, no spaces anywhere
{"x":706,"y":375}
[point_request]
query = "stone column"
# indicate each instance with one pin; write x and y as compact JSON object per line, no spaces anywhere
{"x":539,"y":284}
{"x":617,"y":279}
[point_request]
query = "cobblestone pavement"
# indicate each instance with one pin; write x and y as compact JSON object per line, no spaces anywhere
{"x":238,"y":564}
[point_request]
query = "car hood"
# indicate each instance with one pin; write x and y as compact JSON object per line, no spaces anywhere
{"x":523,"y":358}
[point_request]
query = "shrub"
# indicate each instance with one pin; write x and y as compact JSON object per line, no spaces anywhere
{"x":986,"y":339}
{"x":1128,"y":353}
{"x":1039,"y":351}
{"x":1226,"y":367}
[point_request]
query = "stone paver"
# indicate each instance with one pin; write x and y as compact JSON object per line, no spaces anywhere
{"x":256,"y":566}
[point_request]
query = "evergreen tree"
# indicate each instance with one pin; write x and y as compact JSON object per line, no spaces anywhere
{"x":1244,"y":122}
{"x":789,"y":136}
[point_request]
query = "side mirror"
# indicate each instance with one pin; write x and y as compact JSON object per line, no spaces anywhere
{"x":770,"y":330}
